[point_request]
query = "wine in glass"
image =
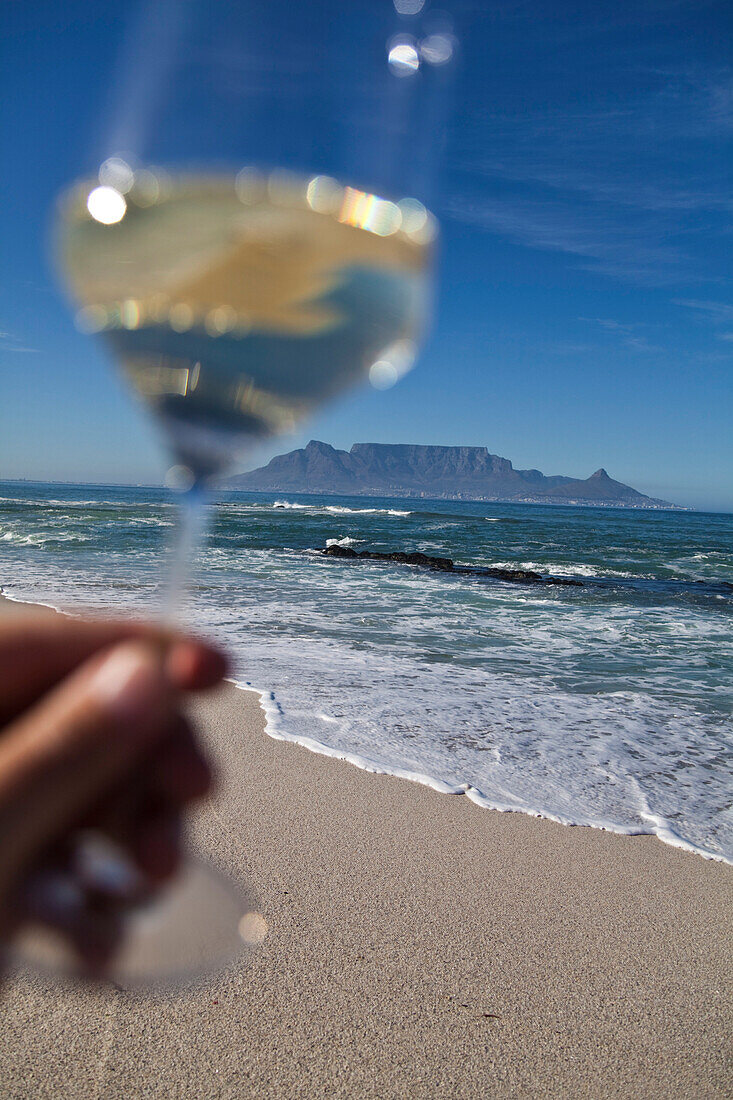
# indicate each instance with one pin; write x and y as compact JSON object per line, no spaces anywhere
{"x":238,"y":303}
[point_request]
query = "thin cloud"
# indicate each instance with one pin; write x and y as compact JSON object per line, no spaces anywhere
{"x":604,"y":244}
{"x":628,"y":335}
{"x":9,"y":342}
{"x":628,"y":154}
{"x":717,"y":312}
{"x":598,"y":185}
{"x":570,"y":348}
{"x":635,"y":182}
{"x":609,"y":324}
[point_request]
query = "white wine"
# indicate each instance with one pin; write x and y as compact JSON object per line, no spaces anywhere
{"x":236,"y":305}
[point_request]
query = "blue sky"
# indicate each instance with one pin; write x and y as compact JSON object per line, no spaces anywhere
{"x":585,"y":314}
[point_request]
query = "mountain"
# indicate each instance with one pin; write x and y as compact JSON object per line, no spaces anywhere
{"x":411,"y":470}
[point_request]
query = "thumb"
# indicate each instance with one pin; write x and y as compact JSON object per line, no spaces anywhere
{"x":79,"y":741}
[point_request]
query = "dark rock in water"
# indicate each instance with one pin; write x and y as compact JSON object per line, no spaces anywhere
{"x":570,"y":582}
{"x":339,"y":552}
{"x":445,"y":565}
{"x":526,"y":576}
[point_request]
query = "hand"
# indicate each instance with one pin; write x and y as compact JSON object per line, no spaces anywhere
{"x":92,"y":736}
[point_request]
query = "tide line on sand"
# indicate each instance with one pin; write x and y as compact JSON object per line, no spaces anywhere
{"x":275,"y":727}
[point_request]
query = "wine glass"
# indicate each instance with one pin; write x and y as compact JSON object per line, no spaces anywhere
{"x":252,"y":241}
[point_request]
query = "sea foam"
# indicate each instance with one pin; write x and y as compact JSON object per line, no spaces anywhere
{"x":601,"y":705}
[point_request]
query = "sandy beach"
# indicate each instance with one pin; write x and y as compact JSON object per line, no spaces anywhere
{"x":419,"y":946}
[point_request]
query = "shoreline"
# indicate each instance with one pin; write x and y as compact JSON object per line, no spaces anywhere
{"x":271,"y":709}
{"x":416,"y":948}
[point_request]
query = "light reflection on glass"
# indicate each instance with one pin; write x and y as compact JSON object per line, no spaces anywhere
{"x":395,"y":362}
{"x":106,"y":205}
{"x":220,"y":320}
{"x":91,"y":319}
{"x":414,"y":215}
{"x":250,"y":186}
{"x":383,"y":374}
{"x":436,"y":49}
{"x":365,"y":211}
{"x":146,"y":188}
{"x":253,"y":928}
{"x":117,"y":173}
{"x":179,"y":478}
{"x":130,"y":314}
{"x":324,"y":194}
{"x":403,"y":58}
{"x":409,"y":7}
{"x":180,"y":317}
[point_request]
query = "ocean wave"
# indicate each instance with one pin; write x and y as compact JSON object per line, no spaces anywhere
{"x":568,"y":569}
{"x":343,"y":542}
{"x":282,"y":726}
{"x":18,"y":538}
{"x":123,"y":505}
{"x":457,"y":518}
{"x":339,"y":510}
{"x":711,"y":566}
{"x":71,"y":503}
{"x":150,"y":521}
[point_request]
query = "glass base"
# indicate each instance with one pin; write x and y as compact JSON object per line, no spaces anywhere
{"x":193,"y":926}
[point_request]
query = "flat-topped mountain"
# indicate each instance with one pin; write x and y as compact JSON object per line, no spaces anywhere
{"x":412,"y":470}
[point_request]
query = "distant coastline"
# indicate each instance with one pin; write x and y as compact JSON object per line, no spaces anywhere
{"x":418,"y":472}
{"x":232,"y":485}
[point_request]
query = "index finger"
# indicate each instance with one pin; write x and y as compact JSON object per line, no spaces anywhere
{"x":39,"y":647}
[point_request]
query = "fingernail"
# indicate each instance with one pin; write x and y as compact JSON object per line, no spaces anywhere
{"x":128,"y":682}
{"x":193,"y":665}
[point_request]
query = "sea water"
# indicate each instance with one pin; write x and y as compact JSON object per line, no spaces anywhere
{"x":606,"y":705}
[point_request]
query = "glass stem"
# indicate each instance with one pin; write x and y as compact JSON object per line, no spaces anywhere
{"x":192,"y":523}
